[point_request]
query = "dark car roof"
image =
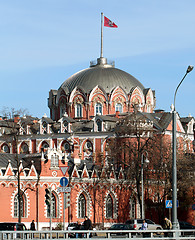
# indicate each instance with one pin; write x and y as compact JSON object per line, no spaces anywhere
{"x":186,"y":225}
{"x":9,"y":226}
{"x":122,"y":226}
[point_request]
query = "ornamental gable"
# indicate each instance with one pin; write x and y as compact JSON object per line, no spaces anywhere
{"x":77,"y":96}
{"x":121,"y":174}
{"x":94,"y":174}
{"x":32,"y":172}
{"x":85,"y":173}
{"x":119,"y":93}
{"x":75,"y":173}
{"x":137,"y":96}
{"x":9,"y":170}
{"x":98,"y":95}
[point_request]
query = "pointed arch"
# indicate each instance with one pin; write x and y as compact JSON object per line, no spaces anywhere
{"x":137,"y":98}
{"x":82,"y":206}
{"x":118,"y":100}
{"x":54,"y":206}
{"x":111,"y":206}
{"x":5,"y":148}
{"x":77,"y":92}
{"x":43,"y":145}
{"x":150,"y":103}
{"x":83,"y":203}
{"x":98,"y":90}
{"x":24,"y":148}
{"x":87,"y":149}
{"x":23,"y":205}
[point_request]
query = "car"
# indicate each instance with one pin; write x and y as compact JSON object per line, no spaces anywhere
{"x":137,"y":224}
{"x":121,"y":227}
{"x":186,"y":226}
{"x":72,"y":225}
{"x":12,"y":226}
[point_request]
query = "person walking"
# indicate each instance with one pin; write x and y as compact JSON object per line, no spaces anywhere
{"x":32,"y":225}
{"x":87,"y":225}
{"x":167,"y":226}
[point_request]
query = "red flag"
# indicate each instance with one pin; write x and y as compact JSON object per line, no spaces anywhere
{"x":109,"y":23}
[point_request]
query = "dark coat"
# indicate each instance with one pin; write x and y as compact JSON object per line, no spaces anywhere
{"x":87,"y":224}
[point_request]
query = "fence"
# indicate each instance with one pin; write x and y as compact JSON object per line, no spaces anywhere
{"x":100,"y":234}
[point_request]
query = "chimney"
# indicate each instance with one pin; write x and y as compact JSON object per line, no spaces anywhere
{"x":117,"y":114}
{"x":16,"y":118}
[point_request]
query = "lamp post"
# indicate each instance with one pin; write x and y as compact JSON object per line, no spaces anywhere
{"x":174,"y":165}
{"x":142,"y":181}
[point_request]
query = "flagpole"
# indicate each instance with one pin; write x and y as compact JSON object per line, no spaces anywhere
{"x":101,"y":55}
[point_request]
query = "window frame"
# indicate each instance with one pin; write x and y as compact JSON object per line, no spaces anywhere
{"x":82,"y":203}
{"x":119,"y":107}
{"x":109,"y":207}
{"x":78,"y":110}
{"x":98,"y":109}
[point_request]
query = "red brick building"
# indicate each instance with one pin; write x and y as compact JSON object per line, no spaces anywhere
{"x":83,"y":114}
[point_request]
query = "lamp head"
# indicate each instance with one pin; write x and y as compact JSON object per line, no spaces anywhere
{"x":146,"y":161}
{"x":190,"y":68}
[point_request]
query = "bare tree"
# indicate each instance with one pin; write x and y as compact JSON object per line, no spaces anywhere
{"x":135,"y":139}
{"x":11,"y":112}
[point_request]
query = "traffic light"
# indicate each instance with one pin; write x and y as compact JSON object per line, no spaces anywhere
{"x":67,"y":200}
{"x":48,"y":196}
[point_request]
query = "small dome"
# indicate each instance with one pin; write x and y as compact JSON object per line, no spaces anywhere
{"x":102,"y":74}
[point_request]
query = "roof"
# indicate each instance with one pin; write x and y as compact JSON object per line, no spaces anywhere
{"x":107,"y":77}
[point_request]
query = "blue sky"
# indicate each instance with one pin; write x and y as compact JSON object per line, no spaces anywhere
{"x":43,"y":42}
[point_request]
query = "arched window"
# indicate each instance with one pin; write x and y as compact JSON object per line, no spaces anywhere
{"x":98,"y":109}
{"x":54,"y":207}
{"x":99,"y":125}
{"x":54,"y":160}
{"x":81,"y":206}
{"x":78,"y":110}
{"x":44,"y":127}
{"x":24,"y":148}
{"x":65,"y":126}
{"x":65,"y":147}
{"x":109,"y":207}
{"x":119,"y":107}
{"x":45,"y":146}
{"x":88,"y":150}
{"x":5,"y":148}
{"x":22,"y":204}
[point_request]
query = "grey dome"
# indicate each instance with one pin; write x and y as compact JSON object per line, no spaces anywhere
{"x":103,"y":75}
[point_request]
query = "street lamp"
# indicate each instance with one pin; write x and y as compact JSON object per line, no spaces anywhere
{"x":174,"y":166}
{"x":142,"y":181}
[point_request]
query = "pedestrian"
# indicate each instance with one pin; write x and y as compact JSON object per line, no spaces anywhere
{"x":167,"y":226}
{"x":144,"y":227}
{"x":32,"y":225}
{"x":87,"y":225}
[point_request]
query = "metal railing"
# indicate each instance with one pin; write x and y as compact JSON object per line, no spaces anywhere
{"x":100,"y":234}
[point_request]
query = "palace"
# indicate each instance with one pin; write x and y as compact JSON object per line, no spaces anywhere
{"x":84,"y":113}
